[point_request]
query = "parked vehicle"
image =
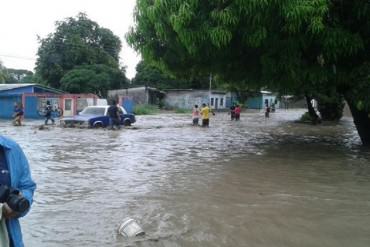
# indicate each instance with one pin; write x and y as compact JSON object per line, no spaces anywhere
{"x":96,"y":117}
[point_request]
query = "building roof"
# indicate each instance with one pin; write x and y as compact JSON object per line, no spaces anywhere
{"x":135,"y":89}
{"x":265,"y":92}
{"x":196,"y":90}
{"x":6,"y":87}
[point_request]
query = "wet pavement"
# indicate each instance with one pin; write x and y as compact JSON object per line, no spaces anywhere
{"x":256,"y":182}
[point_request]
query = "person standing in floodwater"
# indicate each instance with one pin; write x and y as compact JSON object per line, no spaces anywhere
{"x":114,"y":116}
{"x":237,"y":112}
{"x":267,"y":111}
{"x":195,"y":115}
{"x":18,"y":114}
{"x":205,"y":115}
{"x":232,"y":112}
{"x":48,"y":111}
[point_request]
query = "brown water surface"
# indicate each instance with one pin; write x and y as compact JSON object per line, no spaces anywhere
{"x":253,"y":183}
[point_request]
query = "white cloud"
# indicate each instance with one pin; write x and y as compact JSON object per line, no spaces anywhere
{"x":22,"y":20}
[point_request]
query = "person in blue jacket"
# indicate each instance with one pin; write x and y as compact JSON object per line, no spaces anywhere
{"x":15,"y":172}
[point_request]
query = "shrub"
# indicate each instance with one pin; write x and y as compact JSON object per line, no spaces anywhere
{"x":146,"y":109}
{"x":306,"y":117}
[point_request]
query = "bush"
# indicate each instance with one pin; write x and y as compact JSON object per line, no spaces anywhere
{"x":306,"y":117}
{"x":146,"y":109}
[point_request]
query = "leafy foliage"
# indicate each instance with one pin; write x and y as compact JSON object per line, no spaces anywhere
{"x":291,"y":46}
{"x":149,"y":75}
{"x":2,"y":73}
{"x":145,"y":109}
{"x":268,"y":43}
{"x":330,"y":105}
{"x":97,"y":79}
{"x":19,"y":76}
{"x":8,"y":75}
{"x":78,"y":42}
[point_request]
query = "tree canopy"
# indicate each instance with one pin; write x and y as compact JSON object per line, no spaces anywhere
{"x":2,"y":73}
{"x":19,"y":76}
{"x":97,"y":79}
{"x":287,"y":45}
{"x":79,"y":42}
{"x":8,"y":75}
{"x":150,"y":75}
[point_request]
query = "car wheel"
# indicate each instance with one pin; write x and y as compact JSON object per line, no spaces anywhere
{"x":127,"y":122}
{"x":98,"y":125}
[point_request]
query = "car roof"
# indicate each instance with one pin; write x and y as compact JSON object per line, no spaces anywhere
{"x":104,"y":106}
{"x":98,"y":106}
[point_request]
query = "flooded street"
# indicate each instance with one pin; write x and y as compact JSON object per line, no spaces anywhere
{"x":250,"y":183}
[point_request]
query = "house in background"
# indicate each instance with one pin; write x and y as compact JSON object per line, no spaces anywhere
{"x":138,"y":95}
{"x":33,"y":97}
{"x":260,"y":99}
{"x":187,"y":98}
{"x":218,"y":100}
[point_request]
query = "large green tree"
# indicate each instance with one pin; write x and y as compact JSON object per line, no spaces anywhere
{"x":2,"y":73}
{"x":78,"y":42}
{"x":19,"y":76}
{"x":150,"y":75}
{"x":287,"y":45}
{"x":97,"y":79}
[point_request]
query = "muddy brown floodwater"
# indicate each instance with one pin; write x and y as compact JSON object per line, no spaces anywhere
{"x":249,"y":183}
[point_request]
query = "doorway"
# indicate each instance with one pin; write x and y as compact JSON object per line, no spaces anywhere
{"x":68,"y":107}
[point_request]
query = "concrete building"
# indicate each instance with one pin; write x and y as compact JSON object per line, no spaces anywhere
{"x":187,"y":98}
{"x":260,"y":99}
{"x":33,"y":97}
{"x":139,"y":95}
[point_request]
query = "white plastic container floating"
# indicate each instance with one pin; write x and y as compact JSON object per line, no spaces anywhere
{"x":130,"y":228}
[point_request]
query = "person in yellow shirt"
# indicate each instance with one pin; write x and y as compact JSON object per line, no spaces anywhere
{"x":205,"y":115}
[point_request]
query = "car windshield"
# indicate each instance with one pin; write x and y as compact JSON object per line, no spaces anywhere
{"x":94,"y":111}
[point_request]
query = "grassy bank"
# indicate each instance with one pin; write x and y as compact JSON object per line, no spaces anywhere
{"x":179,"y":110}
{"x":146,"y":109}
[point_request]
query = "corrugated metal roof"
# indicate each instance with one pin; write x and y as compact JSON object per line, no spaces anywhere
{"x":4,"y":87}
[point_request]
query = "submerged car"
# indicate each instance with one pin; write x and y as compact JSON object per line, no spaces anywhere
{"x":96,"y":117}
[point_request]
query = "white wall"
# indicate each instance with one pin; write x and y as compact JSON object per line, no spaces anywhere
{"x":216,"y":100}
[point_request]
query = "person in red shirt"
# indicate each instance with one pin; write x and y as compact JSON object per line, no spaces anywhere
{"x":237,"y":112}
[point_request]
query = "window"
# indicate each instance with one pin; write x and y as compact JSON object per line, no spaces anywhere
{"x":68,"y":104}
{"x":94,"y":111}
{"x":222,"y":102}
{"x":212,"y":99}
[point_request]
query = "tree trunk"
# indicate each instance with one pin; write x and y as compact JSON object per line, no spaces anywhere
{"x":361,"y":118}
{"x":315,"y":118}
{"x":330,"y":107}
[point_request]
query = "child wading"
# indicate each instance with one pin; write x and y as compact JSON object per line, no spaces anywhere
{"x":205,"y":115}
{"x":195,"y":115}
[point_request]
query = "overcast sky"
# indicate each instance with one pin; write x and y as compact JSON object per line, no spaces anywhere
{"x":22,"y":20}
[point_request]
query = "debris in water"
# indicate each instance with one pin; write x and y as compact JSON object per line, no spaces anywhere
{"x":130,"y":228}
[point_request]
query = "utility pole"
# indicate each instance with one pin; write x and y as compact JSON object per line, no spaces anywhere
{"x":210,"y":88}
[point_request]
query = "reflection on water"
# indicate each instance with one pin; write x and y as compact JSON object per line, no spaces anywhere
{"x":255,"y":182}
